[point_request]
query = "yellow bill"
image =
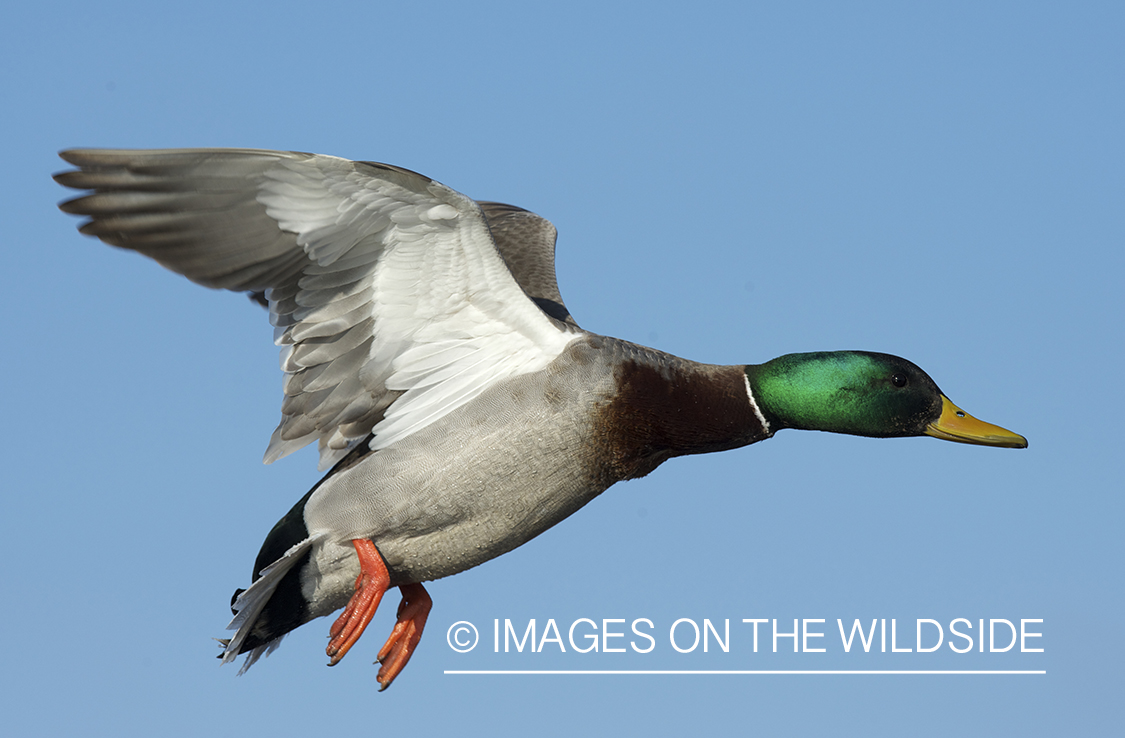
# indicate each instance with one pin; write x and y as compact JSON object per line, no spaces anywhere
{"x":957,"y":425}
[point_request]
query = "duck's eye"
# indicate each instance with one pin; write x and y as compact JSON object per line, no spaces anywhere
{"x":898,"y":379}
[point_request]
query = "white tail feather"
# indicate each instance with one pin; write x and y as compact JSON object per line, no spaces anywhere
{"x":258,"y":653}
{"x":250,"y":604}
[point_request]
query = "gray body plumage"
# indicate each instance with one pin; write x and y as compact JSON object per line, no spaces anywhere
{"x":495,"y":474}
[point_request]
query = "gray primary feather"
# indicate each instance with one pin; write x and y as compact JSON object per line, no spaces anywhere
{"x":195,"y":212}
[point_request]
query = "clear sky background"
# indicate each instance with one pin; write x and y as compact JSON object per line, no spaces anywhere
{"x":731,"y":182}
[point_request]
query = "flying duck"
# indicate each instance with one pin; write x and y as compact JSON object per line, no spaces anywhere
{"x":459,"y":408}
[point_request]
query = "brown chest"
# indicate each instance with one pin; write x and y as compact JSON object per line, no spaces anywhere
{"x":663,"y":411}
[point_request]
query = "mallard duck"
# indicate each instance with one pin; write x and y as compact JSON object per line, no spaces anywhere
{"x":427,"y":350}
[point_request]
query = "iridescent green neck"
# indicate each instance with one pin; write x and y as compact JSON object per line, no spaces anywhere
{"x":855,"y":392}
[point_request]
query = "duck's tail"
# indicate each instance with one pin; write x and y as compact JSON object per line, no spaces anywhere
{"x":258,"y":632}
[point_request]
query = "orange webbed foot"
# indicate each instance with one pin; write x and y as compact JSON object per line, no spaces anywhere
{"x":370,"y":585}
{"x":412,"y":614}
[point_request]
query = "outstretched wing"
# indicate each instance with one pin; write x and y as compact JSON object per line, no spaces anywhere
{"x":385,"y":288}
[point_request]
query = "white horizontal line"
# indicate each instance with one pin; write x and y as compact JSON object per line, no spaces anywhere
{"x":769,"y":672}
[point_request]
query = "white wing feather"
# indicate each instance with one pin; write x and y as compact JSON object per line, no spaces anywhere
{"x":445,"y":317}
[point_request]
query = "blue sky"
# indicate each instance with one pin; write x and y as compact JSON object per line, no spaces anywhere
{"x":731,"y":182}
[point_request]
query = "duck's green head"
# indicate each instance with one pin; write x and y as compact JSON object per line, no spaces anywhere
{"x":864,"y":394}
